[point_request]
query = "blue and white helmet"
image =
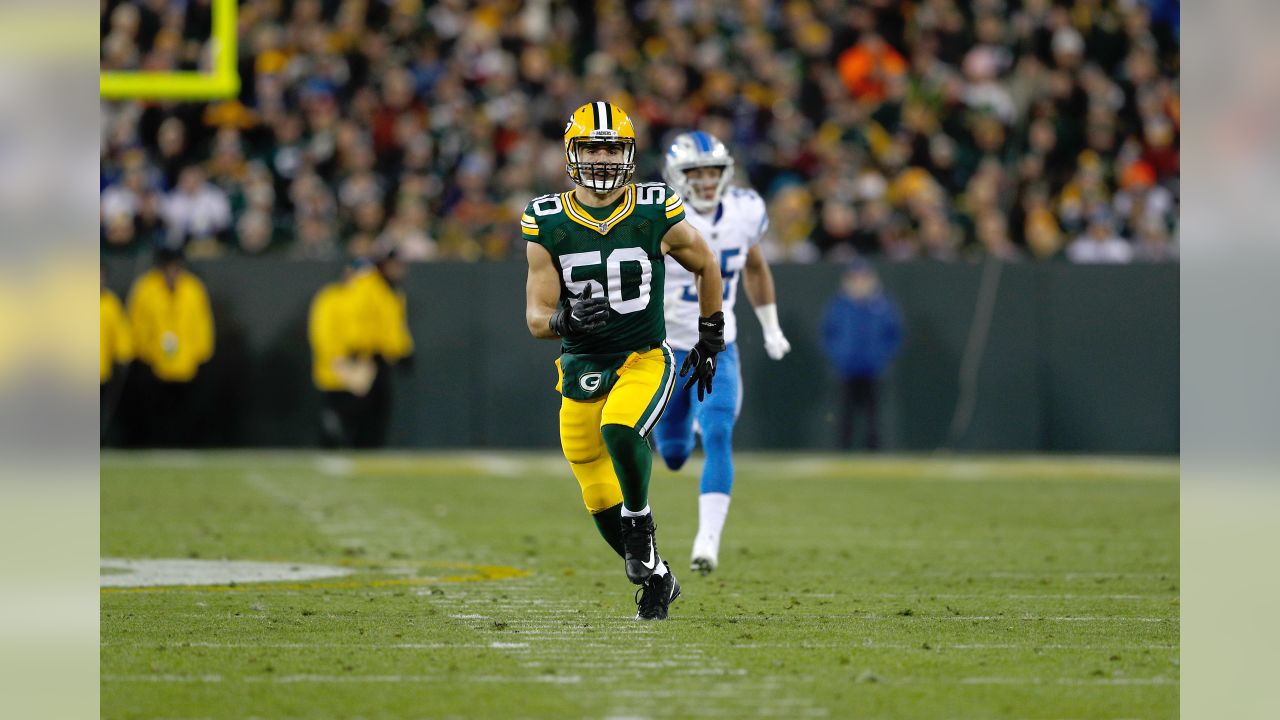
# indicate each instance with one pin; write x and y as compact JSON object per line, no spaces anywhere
{"x":697,"y":150}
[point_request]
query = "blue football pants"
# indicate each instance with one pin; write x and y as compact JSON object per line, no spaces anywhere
{"x":715,"y":415}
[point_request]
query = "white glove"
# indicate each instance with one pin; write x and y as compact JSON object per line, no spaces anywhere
{"x":775,"y":343}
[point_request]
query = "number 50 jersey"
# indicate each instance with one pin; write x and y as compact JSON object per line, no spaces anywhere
{"x":738,"y":223}
{"x":617,"y":255}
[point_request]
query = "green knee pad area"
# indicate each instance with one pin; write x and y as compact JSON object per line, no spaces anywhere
{"x":632,"y":461}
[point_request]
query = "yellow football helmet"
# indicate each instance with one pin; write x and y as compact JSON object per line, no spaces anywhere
{"x":600,"y":122}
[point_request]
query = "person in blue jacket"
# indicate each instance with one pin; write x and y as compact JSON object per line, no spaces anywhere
{"x":861,"y":334}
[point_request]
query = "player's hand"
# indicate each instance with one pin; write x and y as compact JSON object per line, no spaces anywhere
{"x":701,"y":361}
{"x":776,"y":345}
{"x":586,"y":316}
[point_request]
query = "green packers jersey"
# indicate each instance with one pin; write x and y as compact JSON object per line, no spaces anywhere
{"x":615,"y":251}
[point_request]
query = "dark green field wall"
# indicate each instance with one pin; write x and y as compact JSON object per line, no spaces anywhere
{"x":1075,"y":359}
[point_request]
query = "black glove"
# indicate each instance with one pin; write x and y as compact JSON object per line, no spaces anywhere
{"x":702,"y":358}
{"x":587,"y":316}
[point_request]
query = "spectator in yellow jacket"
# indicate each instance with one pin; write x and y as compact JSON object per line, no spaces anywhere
{"x":172,"y":325}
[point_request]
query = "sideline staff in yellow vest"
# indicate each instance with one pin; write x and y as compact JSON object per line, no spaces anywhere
{"x":342,"y":377}
{"x":115,"y":350}
{"x":173,"y":337}
{"x":115,"y":340}
{"x":358,"y":329}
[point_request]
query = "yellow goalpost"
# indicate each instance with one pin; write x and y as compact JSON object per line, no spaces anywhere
{"x":223,"y":82}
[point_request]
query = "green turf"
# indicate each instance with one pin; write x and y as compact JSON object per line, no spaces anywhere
{"x":964,"y":588}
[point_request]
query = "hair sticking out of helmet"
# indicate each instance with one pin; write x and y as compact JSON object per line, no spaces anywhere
{"x":692,"y":151}
{"x":600,"y":147}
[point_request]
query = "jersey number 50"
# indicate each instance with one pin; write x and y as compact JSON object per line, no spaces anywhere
{"x":617,"y":293}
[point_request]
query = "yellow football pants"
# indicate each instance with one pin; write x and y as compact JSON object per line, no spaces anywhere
{"x":645,"y":383}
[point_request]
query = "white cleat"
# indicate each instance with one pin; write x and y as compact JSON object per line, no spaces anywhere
{"x":705,"y":555}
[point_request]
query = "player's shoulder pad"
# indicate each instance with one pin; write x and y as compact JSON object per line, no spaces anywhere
{"x":751,"y":207}
{"x":662,"y":194}
{"x":748,"y":197}
{"x":538,"y":211}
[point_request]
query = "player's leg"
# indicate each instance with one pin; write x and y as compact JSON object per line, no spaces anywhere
{"x":674,"y":434}
{"x":372,"y":432}
{"x":631,"y":411}
{"x":591,"y":465}
{"x":848,"y":406}
{"x":861,"y":408}
{"x":871,"y":396}
{"x":716,"y":416}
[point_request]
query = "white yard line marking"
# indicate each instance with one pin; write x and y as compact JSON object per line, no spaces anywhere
{"x":321,"y":645}
{"x":161,"y":678}
{"x":939,"y":646}
{"x":335,"y":465}
{"x":1158,"y":680}
{"x":576,"y":679}
{"x":327,"y":679}
{"x":976,"y":469}
{"x":499,"y":465}
{"x":794,"y":616}
{"x":557,"y":633}
{"x":573,"y":651}
{"x":1170,"y":575}
{"x":326,"y":503}
{"x":169,"y":572}
{"x":926,"y":595}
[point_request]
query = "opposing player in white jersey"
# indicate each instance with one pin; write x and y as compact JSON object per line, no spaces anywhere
{"x":732,"y":220}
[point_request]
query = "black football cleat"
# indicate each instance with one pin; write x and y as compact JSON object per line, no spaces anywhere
{"x":658,"y":593}
{"x":641,"y":548}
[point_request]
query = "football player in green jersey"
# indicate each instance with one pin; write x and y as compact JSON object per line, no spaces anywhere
{"x":596,"y":273}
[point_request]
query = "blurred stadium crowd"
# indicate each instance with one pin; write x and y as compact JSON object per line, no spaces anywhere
{"x":935,"y":129}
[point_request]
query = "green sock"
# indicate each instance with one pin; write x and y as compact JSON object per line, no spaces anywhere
{"x":609,"y":523}
{"x":632,"y":461}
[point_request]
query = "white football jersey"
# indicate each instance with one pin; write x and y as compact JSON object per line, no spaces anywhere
{"x":738,"y":223}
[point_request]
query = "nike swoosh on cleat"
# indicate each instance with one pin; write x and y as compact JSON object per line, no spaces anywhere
{"x":652,"y":562}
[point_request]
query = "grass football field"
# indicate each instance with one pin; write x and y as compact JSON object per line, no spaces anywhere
{"x":475,"y":586}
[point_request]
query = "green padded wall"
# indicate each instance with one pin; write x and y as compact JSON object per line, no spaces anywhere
{"x":1076,"y":359}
